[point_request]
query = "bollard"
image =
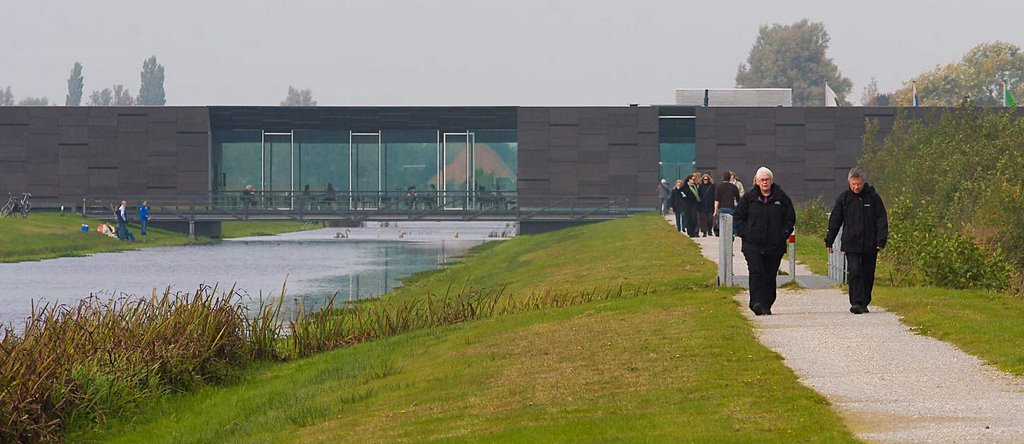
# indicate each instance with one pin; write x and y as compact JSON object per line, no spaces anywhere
{"x":792,"y":257}
{"x":191,"y":229}
{"x":725,"y":272}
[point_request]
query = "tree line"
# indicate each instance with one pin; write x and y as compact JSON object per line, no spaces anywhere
{"x":783,"y":56}
{"x":794,"y":56}
{"x":151,"y":90}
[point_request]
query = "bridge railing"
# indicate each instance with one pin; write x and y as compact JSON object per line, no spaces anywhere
{"x":300,"y":205}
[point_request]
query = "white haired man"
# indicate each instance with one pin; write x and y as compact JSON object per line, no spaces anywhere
{"x":764,"y":219}
{"x":861,"y":214}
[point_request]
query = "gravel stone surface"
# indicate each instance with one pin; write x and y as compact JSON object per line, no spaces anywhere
{"x":888,"y":383}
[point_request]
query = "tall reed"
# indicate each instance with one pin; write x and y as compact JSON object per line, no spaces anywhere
{"x":77,"y":365}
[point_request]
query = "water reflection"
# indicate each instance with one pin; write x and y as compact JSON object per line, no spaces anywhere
{"x":366,"y":263}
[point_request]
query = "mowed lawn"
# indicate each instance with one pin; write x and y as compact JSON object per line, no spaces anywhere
{"x":679,"y":364}
{"x":46,"y":235}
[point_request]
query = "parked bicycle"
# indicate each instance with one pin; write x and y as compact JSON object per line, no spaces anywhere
{"x":17,"y":205}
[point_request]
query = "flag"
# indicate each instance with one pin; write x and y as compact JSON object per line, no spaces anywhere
{"x":831,"y":99}
{"x":1008,"y":100}
{"x":917,"y":101}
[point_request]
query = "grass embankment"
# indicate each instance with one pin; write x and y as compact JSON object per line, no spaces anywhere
{"x":236,"y":229}
{"x":680,"y":363}
{"x":45,"y":235}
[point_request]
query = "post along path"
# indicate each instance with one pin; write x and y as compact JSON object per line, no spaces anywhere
{"x":888,"y":383}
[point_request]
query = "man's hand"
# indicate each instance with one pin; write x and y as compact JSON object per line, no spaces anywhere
{"x":829,"y":250}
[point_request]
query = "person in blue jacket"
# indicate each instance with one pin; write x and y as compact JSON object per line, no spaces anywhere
{"x":143,"y":216}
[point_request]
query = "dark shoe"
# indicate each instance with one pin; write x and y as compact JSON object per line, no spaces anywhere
{"x":768,"y":311}
{"x":857,"y":309}
{"x":865,"y":308}
{"x":758,"y":309}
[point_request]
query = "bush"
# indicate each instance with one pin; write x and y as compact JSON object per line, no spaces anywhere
{"x":955,"y":199}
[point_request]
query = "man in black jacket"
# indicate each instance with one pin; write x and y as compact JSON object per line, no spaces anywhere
{"x":861,"y":214}
{"x":765,"y":219}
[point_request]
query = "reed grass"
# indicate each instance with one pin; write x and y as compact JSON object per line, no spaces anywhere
{"x":73,"y":366}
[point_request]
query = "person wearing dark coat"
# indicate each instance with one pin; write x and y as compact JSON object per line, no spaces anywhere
{"x":764,"y":219}
{"x":706,"y":207}
{"x":691,"y":203}
{"x":859,"y":211}
{"x":676,"y":199}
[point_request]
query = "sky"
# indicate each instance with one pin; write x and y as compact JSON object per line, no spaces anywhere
{"x":466,"y":52}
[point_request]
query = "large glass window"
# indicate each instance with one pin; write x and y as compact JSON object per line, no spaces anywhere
{"x":410,"y":160}
{"x":495,"y":155}
{"x":237,"y":159}
{"x":277,"y":162}
{"x":321,"y":160}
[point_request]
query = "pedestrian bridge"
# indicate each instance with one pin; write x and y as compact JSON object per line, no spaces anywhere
{"x":366,"y":206}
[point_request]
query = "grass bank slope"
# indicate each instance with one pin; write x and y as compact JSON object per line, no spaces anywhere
{"x":678,"y":364}
{"x":44,"y":235}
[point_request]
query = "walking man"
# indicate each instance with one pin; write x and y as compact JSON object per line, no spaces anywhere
{"x":765,"y":219}
{"x":860,"y":213}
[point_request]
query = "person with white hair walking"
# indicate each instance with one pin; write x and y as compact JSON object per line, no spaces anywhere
{"x":765,"y":219}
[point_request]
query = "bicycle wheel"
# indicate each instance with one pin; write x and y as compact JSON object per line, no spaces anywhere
{"x":25,"y":209}
{"x":6,"y":210}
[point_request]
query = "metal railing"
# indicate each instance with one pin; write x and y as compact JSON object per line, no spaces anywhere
{"x":383,"y":205}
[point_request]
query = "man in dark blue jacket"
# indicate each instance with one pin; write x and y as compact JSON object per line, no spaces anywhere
{"x":861,"y":214}
{"x":764,"y":219}
{"x":143,"y":216}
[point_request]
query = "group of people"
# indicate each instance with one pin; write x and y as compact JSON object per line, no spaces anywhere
{"x":697,"y":201}
{"x":120,"y":213}
{"x":764,"y":218}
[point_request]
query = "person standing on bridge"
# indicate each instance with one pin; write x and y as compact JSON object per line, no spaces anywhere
{"x":765,"y":219}
{"x":859,"y":211}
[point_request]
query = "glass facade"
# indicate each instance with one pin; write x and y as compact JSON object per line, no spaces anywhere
{"x":677,"y":142}
{"x":373,"y":165}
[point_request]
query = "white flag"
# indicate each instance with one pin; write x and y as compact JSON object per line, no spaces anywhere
{"x":831,"y":99}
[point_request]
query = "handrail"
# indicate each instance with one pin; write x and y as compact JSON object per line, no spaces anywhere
{"x":361,"y":205}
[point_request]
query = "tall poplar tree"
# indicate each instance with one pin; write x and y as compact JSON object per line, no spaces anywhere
{"x":76,"y":84}
{"x":151,"y":92}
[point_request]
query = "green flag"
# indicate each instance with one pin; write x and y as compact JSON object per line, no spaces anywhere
{"x":1008,"y":100}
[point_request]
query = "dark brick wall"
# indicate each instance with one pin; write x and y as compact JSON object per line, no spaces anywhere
{"x":809,"y":150}
{"x":597,"y":151}
{"x":60,"y":154}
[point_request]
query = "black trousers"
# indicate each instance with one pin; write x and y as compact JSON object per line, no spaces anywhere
{"x":691,"y":221}
{"x":861,"y":276}
{"x":763,"y":271}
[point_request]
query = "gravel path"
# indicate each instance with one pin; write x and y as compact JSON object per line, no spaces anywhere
{"x":888,"y":383}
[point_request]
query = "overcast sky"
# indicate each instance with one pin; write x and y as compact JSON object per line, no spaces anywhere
{"x":466,"y":52}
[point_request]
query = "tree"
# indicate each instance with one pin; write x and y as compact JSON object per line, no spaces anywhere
{"x":151,"y":92}
{"x":122,"y":97}
{"x":979,"y":75}
{"x":34,"y":101}
{"x":298,"y":98}
{"x":793,"y":56}
{"x":6,"y":97}
{"x":101,"y":98}
{"x":76,"y":83}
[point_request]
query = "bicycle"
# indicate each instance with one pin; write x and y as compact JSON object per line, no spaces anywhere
{"x":17,"y":205}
